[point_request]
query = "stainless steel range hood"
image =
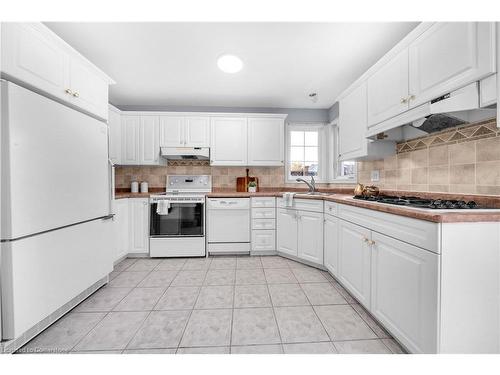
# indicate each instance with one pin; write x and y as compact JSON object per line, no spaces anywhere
{"x":185,"y":153}
{"x":453,"y":109}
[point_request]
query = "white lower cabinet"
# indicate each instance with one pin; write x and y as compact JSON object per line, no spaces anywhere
{"x":404,"y":291}
{"x":310,"y":236}
{"x":354,"y":260}
{"x":121,"y":223}
{"x":139,"y":225}
{"x":287,"y":231}
{"x":263,"y":240}
{"x":331,"y":244}
{"x":300,"y":234}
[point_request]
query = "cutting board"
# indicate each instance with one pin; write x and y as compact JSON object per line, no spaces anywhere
{"x":242,"y":182}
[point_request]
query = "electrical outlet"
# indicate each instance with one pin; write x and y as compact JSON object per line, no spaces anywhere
{"x":375,"y":176}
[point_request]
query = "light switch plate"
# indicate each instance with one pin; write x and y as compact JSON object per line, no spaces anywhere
{"x":375,"y":176}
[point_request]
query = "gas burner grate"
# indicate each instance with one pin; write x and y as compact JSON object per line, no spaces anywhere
{"x":441,"y":204}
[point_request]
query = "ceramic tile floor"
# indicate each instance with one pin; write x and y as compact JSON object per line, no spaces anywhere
{"x":216,"y":305}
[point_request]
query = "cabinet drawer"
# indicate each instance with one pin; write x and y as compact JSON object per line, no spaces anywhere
{"x":263,"y":213}
{"x":421,"y":233}
{"x":303,"y":204}
{"x":331,"y":208}
{"x":263,"y":240}
{"x":263,"y":202}
{"x":263,"y":224}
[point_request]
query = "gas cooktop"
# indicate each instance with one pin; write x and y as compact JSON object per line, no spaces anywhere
{"x":440,"y":204}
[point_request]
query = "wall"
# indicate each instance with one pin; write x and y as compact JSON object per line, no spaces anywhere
{"x":294,"y":114}
{"x":222,"y":177}
{"x":462,"y":160}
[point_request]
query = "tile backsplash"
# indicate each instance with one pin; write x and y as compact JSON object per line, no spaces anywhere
{"x":463,"y":160}
{"x":222,"y":177}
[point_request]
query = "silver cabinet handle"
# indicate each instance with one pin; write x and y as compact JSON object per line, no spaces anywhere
{"x":404,"y":100}
{"x":76,"y":94}
{"x":68,"y":91}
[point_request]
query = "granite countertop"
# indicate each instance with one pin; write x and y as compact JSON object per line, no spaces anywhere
{"x":341,"y":196}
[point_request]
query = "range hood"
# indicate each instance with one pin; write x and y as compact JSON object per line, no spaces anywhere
{"x":185,"y":153}
{"x":453,"y":109}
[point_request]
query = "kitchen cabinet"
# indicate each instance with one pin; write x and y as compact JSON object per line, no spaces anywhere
{"x":138,"y":226}
{"x":263,"y":214}
{"x":449,"y":55}
{"x":140,"y":140}
{"x":287,"y":235}
{"x":115,"y":135}
{"x":404,"y":291}
{"x":228,"y":141}
{"x":352,"y":124}
{"x":310,"y":236}
{"x":121,"y":224}
{"x":34,"y":55}
{"x":488,"y":91}
{"x":331,"y":244}
{"x":266,"y":137}
{"x":387,"y":90}
{"x":149,"y":146}
{"x":184,"y":131}
{"x":354,"y":260}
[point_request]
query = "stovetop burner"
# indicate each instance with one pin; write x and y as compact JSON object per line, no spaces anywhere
{"x":441,"y":204}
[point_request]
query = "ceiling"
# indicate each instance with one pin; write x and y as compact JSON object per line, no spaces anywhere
{"x":174,"y":64}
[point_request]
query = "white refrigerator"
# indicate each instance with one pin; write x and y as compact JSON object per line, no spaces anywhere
{"x":56,"y":191}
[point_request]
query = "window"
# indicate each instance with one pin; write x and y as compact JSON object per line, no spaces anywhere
{"x":312,"y":150}
{"x":304,"y":149}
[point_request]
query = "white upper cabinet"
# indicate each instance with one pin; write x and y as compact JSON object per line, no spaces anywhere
{"x":197,"y":131}
{"x":228,"y":141}
{"x":33,"y":55}
{"x":266,"y":138}
{"x":149,"y":147}
{"x":184,"y":131}
{"x":115,"y":135}
{"x":130,"y":139}
{"x":171,"y":131}
{"x":449,"y":55}
{"x":387,"y":89}
{"x":352,"y":123}
{"x":140,"y":140}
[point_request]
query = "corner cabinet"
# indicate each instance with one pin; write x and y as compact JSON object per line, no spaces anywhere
{"x":35,"y":56}
{"x":266,"y":138}
{"x":229,"y":141}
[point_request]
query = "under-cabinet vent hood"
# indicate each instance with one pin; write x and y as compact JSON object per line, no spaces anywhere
{"x":185,"y":153}
{"x":450,"y":110}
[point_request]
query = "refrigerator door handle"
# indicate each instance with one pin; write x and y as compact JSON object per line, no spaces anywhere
{"x":111,"y":188}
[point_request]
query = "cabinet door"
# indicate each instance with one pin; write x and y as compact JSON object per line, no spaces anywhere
{"x":89,"y":91}
{"x":266,"y":137}
{"x":149,"y":148}
{"x":450,"y":55}
{"x":197,"y":132}
{"x":115,"y":135}
{"x":228,"y":141}
{"x":287,"y":231}
{"x":352,"y":123}
{"x":130,"y":139}
{"x":331,"y":244}
{"x":354,"y":260}
{"x":139,"y":225}
{"x":171,"y":131}
{"x":30,"y":54}
{"x":310,"y":236}
{"x":121,"y":222}
{"x":404,"y":296}
{"x":388,"y":89}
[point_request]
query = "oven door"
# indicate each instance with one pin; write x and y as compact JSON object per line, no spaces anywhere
{"x":184,"y":219}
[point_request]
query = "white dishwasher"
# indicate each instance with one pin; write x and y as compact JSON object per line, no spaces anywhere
{"x":228,"y":225}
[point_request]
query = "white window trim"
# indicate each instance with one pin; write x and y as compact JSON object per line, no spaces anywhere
{"x":322,"y":144}
{"x":333,"y":161}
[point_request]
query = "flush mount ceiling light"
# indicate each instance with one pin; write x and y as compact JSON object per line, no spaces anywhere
{"x":229,"y":63}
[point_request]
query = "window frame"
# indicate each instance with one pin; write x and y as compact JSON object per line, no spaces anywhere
{"x":322,"y":176}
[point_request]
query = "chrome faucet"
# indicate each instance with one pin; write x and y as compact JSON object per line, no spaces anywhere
{"x":311,"y":185}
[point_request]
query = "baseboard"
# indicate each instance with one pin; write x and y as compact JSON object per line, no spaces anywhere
{"x":11,"y":346}
{"x":263,"y":252}
{"x":316,"y":265}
